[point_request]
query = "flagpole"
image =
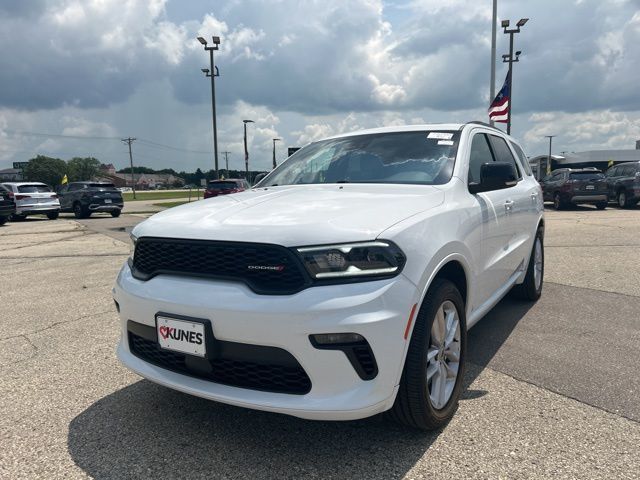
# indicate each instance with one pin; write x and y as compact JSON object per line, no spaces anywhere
{"x":492,"y":85}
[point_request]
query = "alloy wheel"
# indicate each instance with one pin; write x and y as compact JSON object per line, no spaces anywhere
{"x":538,"y":264}
{"x":443,"y":355}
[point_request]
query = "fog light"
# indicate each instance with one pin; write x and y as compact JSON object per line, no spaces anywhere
{"x":336,"y":338}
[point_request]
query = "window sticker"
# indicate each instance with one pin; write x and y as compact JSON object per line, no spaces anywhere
{"x":440,"y":135}
{"x":445,"y":142}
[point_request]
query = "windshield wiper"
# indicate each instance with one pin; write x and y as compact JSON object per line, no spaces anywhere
{"x":343,"y":181}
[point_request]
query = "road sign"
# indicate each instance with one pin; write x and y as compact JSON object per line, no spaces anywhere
{"x":20,"y":165}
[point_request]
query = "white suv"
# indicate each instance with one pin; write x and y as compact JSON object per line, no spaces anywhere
{"x":33,"y":198}
{"x":343,"y":284}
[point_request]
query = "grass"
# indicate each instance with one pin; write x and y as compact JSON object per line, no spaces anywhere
{"x":170,"y":204}
{"x":159,"y":195}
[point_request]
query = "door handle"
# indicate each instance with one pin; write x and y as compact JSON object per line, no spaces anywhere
{"x":508,"y":205}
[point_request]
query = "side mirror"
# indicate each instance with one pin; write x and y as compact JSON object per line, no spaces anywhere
{"x":495,"y":176}
{"x":259,"y":177}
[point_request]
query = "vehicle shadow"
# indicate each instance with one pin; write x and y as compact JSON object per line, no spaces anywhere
{"x":148,"y":431}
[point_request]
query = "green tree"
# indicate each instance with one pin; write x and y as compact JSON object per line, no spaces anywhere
{"x":46,"y":170}
{"x":137,"y":170}
{"x":81,"y":169}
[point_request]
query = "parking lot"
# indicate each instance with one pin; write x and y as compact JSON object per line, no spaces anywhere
{"x":552,"y":389}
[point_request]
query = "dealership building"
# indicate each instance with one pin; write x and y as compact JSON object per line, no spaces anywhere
{"x":600,"y":159}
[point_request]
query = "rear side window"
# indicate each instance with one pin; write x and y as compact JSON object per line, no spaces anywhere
{"x":503,"y":154}
{"x":629,"y":170}
{"x":523,"y":158}
{"x":585,"y":176}
{"x":480,"y":153}
{"x":223,"y":185}
{"x":33,"y":189}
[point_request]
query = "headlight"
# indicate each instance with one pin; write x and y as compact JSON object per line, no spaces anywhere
{"x":134,"y":240}
{"x":353,"y":260}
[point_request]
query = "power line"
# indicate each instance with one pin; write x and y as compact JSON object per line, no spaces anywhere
{"x":149,"y":143}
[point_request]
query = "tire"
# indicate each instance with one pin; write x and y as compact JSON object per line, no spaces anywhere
{"x":79,"y":211}
{"x":115,"y":213}
{"x":3,"y":220}
{"x":623,"y":200}
{"x":18,"y":218}
{"x":531,"y":288}
{"x":414,"y":406}
{"x":558,"y":204}
{"x":53,"y":215}
{"x":601,"y":205}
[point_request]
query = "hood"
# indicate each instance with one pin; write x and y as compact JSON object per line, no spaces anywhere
{"x":295,"y":215}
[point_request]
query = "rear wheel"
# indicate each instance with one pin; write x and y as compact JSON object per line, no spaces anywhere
{"x":601,"y":205}
{"x":53,"y":215}
{"x":79,"y":211}
{"x":558,"y":204}
{"x":531,"y":288}
{"x":431,"y":381}
{"x":3,"y":220}
{"x":623,"y":200}
{"x":115,"y":213}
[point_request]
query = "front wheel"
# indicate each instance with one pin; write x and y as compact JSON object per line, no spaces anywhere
{"x":623,"y":200}
{"x":431,"y":382}
{"x":558,"y":204}
{"x":531,"y":288}
{"x":601,"y":205}
{"x":115,"y":213}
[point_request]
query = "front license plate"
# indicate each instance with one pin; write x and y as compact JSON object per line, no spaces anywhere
{"x":590,"y":187}
{"x":107,"y":200}
{"x":181,"y":336}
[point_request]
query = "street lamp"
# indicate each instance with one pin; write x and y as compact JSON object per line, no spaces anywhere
{"x":246,"y":151}
{"x":550,"y":137}
{"x":274,"y":151}
{"x":509,"y":58}
{"x":212,"y":72}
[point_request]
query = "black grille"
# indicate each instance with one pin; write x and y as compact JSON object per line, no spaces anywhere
{"x":278,"y":372}
{"x":265,"y":268}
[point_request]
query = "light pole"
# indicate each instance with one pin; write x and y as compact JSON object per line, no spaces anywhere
{"x":508,"y":58}
{"x":274,"y":151}
{"x":492,"y":86}
{"x":550,"y":137}
{"x":226,"y":159}
{"x":213,"y":73}
{"x":246,"y":151}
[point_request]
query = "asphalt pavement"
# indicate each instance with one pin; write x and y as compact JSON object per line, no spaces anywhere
{"x":552,"y":388}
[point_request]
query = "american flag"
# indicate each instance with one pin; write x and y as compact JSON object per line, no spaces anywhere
{"x":499,"y":108}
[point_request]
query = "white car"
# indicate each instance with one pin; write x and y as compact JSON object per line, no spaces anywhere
{"x":343,"y":284}
{"x":33,"y":198}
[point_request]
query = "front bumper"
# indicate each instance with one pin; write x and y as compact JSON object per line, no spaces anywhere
{"x":589,"y":198}
{"x":377,"y":310}
{"x":37,"y":208}
{"x":108,"y":207}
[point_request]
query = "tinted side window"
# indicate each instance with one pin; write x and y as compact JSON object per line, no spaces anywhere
{"x":629,"y":171}
{"x":523,"y":158}
{"x":503,"y":154}
{"x":73,"y":187}
{"x":480,"y":153}
{"x":611,"y":172}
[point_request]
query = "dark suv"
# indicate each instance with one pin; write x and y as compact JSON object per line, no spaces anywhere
{"x":623,"y":181}
{"x":225,"y":187}
{"x":572,"y":186}
{"x":7,"y":205}
{"x":84,"y":198}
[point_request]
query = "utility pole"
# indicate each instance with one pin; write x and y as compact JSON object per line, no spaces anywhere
{"x":246,"y":150}
{"x":550,"y":137}
{"x":213,"y":73}
{"x":129,"y":141}
{"x":508,"y":58}
{"x":274,"y":151}
{"x":492,"y":86}
{"x":226,"y":159}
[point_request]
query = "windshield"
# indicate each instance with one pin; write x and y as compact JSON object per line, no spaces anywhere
{"x":33,"y":188}
{"x":223,"y":185}
{"x":586,"y":176}
{"x":422,"y":157}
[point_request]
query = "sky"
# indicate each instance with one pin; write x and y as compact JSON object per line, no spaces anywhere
{"x":77,"y":76}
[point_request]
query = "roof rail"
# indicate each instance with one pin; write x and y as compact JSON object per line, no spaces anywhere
{"x":484,"y":124}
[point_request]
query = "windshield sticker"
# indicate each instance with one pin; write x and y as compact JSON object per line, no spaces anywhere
{"x":445,"y":142}
{"x":440,"y":135}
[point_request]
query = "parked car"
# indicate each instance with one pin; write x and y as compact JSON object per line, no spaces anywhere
{"x":574,"y":186}
{"x":343,"y":284}
{"x":623,"y":182}
{"x":225,"y":187}
{"x":85,"y":198}
{"x":7,"y":205}
{"x":33,"y":198}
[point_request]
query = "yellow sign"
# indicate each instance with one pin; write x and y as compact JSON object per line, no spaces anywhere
{"x":65,"y":179}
